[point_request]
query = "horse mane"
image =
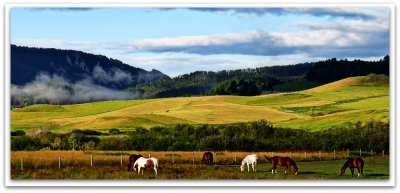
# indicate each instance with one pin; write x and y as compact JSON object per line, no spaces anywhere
{"x":346,"y":164}
{"x":243,"y":162}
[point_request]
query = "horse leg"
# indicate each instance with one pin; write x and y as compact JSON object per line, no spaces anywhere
{"x":359,"y":172}
{"x":362,"y":170}
{"x":248,"y":167}
{"x":138,"y":173}
{"x":352,"y":171}
{"x":273,"y":167}
{"x":155,"y":169}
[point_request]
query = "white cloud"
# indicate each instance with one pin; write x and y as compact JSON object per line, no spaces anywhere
{"x":343,"y":12}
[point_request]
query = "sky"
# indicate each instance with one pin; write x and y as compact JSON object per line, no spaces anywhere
{"x":182,"y":40}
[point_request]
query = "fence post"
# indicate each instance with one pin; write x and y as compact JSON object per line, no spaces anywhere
{"x":383,"y":153}
{"x":372,"y":153}
{"x":272,"y":154}
{"x":319,"y":155}
{"x":91,"y":160}
{"x":360,"y":152}
{"x":193,"y":157}
{"x":173,"y":160}
{"x":305,"y":155}
{"x":348,"y":153}
{"x":59,"y":162}
{"x":334,"y":154}
{"x":290,"y":154}
{"x":149,"y":155}
{"x":235,"y":157}
{"x":22,"y":165}
{"x":121,"y":160}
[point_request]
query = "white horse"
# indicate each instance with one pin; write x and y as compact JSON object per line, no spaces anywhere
{"x":146,"y":163}
{"x":249,"y":159}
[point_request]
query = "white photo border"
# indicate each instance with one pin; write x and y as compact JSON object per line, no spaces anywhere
{"x":197,"y":183}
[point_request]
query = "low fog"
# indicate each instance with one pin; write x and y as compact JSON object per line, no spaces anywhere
{"x":54,"y":89}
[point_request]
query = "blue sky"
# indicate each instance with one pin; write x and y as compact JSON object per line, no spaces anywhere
{"x":177,"y":41}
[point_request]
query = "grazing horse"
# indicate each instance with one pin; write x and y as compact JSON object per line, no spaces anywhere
{"x":146,"y":163}
{"x":207,"y":159}
{"x":286,"y":162}
{"x":353,"y":163}
{"x":249,"y":159}
{"x":132,"y":159}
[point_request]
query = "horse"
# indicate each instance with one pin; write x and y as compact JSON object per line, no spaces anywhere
{"x":207,"y":159}
{"x":353,"y":163}
{"x":146,"y":163}
{"x":249,"y":159}
{"x":132,"y":159}
{"x":286,"y":162}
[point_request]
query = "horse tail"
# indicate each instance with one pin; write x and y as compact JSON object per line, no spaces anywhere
{"x":269,"y":159}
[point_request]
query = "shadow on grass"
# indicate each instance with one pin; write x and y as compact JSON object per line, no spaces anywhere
{"x":308,"y":172}
{"x":377,"y":175}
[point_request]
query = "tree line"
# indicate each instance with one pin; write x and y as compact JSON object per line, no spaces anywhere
{"x":251,"y":136}
{"x":250,"y":82}
{"x":332,"y":70}
{"x":200,"y":82}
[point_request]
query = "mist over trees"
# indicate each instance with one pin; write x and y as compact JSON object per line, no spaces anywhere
{"x":54,"y":76}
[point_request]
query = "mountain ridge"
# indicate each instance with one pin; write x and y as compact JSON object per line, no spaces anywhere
{"x":28,"y":62}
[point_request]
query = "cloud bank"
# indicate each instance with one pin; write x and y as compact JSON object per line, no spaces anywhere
{"x":341,"y":32}
{"x":349,"y":12}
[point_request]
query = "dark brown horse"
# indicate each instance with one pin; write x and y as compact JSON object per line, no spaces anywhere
{"x":132,"y":159}
{"x":207,"y":159}
{"x":283,"y":162}
{"x":353,"y":163}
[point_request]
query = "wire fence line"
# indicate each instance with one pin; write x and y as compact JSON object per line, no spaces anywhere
{"x":23,"y":160}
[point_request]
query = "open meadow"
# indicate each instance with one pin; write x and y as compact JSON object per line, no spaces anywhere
{"x":346,"y":101}
{"x":181,"y":165}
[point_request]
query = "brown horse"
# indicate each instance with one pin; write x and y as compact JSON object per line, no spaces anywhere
{"x":207,"y":159}
{"x":283,"y":162}
{"x":132,"y":159}
{"x":353,"y":163}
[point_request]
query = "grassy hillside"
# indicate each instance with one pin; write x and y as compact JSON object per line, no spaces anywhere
{"x":348,"y":100}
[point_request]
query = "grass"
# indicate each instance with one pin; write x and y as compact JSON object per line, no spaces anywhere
{"x":349,"y":100}
{"x":107,"y":165}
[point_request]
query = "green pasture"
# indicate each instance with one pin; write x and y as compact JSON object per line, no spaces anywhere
{"x":349,"y":100}
{"x":376,"y":168}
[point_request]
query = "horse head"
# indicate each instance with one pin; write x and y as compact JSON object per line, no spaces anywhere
{"x":241,"y":168}
{"x":342,"y":171}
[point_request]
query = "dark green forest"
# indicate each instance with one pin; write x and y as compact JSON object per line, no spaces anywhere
{"x":251,"y":136}
{"x":27,"y":63}
{"x":251,"y":82}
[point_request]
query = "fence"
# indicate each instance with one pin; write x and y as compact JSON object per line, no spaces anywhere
{"x":58,"y":159}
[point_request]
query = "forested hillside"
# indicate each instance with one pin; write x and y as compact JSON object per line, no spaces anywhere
{"x":27,"y":63}
{"x":200,"y":82}
{"x":251,"y":82}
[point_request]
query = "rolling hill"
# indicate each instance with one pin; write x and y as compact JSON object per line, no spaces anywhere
{"x":352,"y":99}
